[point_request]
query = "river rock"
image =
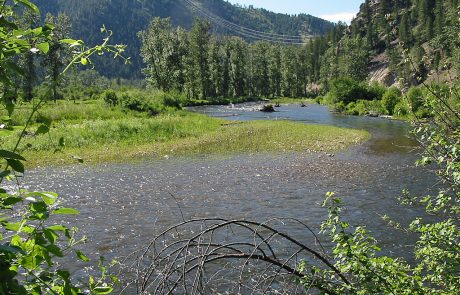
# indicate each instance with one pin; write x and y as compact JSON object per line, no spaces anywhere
{"x":268,"y":108}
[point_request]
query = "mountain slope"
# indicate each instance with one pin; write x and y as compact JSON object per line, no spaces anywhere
{"x":423,"y":29}
{"x":127,"y":17}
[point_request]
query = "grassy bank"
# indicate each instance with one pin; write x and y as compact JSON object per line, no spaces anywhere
{"x":97,"y":133}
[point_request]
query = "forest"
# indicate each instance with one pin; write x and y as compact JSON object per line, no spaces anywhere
{"x":120,"y":146}
{"x":89,"y":15}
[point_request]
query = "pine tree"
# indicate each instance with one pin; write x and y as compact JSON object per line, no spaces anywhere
{"x":28,"y":61}
{"x":438,"y":17}
{"x":404,"y":30}
{"x":58,"y":54}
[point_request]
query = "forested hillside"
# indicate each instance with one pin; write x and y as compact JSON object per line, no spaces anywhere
{"x":127,"y":17}
{"x":386,"y":33}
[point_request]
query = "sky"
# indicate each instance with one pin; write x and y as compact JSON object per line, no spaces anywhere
{"x":332,"y":10}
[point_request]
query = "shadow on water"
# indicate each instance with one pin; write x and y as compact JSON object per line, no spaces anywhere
{"x":123,"y":205}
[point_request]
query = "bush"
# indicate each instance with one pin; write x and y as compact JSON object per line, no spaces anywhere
{"x":137,"y":101}
{"x":376,"y":91}
{"x":150,"y":102}
{"x":349,"y":90}
{"x":390,"y":99}
{"x":173,"y":99}
{"x":401,"y":109}
{"x":374,"y":107}
{"x":110,"y":97}
{"x":415,"y":98}
{"x":356,"y":108}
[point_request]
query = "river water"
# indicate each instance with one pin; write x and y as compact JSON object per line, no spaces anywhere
{"x":123,"y":205}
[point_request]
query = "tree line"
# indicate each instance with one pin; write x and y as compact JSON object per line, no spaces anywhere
{"x":89,"y":15}
{"x":204,"y":66}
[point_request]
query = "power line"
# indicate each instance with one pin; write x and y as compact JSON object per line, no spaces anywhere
{"x":296,"y":37}
{"x":246,"y":32}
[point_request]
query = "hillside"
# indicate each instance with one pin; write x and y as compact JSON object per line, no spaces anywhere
{"x":385,"y":35}
{"x":127,"y":17}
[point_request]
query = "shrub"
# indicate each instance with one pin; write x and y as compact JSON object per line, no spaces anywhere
{"x":356,"y":108}
{"x":401,"y":109}
{"x":415,"y":98}
{"x":173,"y":99}
{"x":374,"y":106}
{"x":110,"y":98}
{"x":139,"y":101}
{"x":348,"y":90}
{"x":390,"y":99}
{"x":375,"y":91}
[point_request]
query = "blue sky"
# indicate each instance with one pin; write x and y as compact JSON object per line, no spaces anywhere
{"x":333,"y":10}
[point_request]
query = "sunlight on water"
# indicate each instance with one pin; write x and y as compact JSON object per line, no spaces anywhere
{"x":123,"y":205}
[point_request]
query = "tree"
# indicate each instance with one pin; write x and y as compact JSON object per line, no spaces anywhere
{"x":404,"y":30}
{"x":238,"y":63}
{"x":354,"y":58}
{"x":260,"y":68}
{"x":163,"y":51}
{"x":274,"y":69}
{"x":29,"y":20}
{"x":200,"y":38}
{"x":58,"y":55}
{"x":217,"y":64}
{"x":289,"y":71}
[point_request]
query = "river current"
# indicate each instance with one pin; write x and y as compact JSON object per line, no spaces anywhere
{"x":123,"y":205}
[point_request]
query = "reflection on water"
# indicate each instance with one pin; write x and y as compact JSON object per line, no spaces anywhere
{"x":123,"y":205}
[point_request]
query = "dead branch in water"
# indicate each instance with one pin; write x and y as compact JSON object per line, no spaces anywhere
{"x":219,"y":256}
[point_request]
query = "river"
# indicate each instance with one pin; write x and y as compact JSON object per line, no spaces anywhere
{"x":123,"y":205}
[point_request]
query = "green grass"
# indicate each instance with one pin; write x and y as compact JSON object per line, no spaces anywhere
{"x":290,"y":100}
{"x":98,"y":133}
{"x":71,"y":111}
{"x":272,"y":136}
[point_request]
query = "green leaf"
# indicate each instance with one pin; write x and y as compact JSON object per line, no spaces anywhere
{"x":50,"y":235}
{"x":13,"y":67}
{"x":102,"y":290}
{"x":48,"y":197}
{"x":61,"y":142}
{"x":10,"y":249}
{"x":16,"y":165}
{"x":43,"y":129}
{"x":5,"y":173}
{"x":66,"y":211}
{"x":11,"y":201}
{"x":43,"y":47}
{"x":30,"y":5}
{"x":10,"y":155}
{"x":58,"y":228}
{"x":82,"y":256}
{"x":10,"y":108}
{"x":84,"y":61}
{"x":55,"y":250}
